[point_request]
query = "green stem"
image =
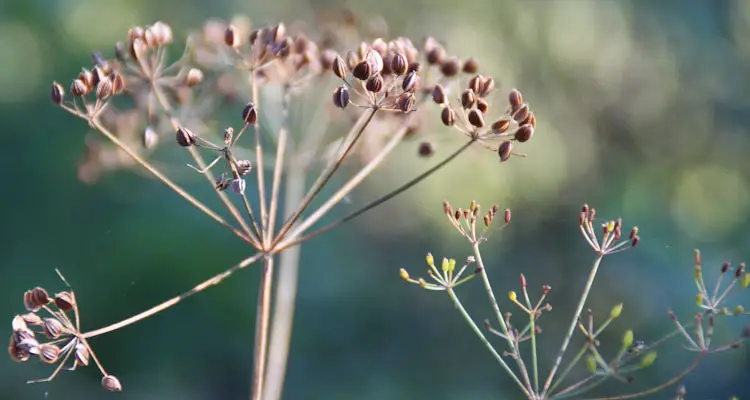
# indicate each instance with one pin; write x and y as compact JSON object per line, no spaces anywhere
{"x":484,"y":340}
{"x":573,"y":322}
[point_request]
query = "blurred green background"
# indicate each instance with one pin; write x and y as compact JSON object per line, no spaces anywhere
{"x":642,"y":111}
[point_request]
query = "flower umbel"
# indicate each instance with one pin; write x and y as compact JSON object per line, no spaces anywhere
{"x":612,"y":240}
{"x":445,"y":277}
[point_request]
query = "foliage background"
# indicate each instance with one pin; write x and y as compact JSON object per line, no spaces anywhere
{"x":642,"y":110}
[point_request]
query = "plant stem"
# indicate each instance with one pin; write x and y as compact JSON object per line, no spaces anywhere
{"x":574,"y":321}
{"x":261,"y":328}
{"x":286,"y":293}
{"x":384,"y":198}
{"x":259,"y":162}
{"x":484,"y":340}
{"x":215,"y":280}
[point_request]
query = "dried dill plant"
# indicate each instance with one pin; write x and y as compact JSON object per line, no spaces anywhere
{"x":140,"y":100}
{"x":519,"y":336}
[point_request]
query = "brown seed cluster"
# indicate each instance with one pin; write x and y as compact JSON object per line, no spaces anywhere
{"x":47,"y":319}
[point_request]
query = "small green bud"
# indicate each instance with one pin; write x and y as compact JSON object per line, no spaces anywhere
{"x":627,"y":340}
{"x":745,"y":282}
{"x":452,"y":265}
{"x":616,"y":311}
{"x":430,"y":260}
{"x":739,"y":309}
{"x":648,"y":359}
{"x":446,"y":265}
{"x":699,"y":299}
{"x":591,"y":364}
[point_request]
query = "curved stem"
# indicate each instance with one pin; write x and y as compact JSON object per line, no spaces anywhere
{"x":406,"y":186}
{"x":574,"y":322}
{"x":215,"y":280}
{"x":484,"y":340}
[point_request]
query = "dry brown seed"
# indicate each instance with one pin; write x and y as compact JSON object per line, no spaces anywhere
{"x":87,"y":77}
{"x":341,"y":97}
{"x":515,"y":98}
{"x":32,"y":319}
{"x":410,"y":82}
{"x":375,"y":61}
{"x":520,"y":113}
{"x":438,"y":94}
{"x":222,"y":183}
{"x":470,"y":66}
{"x":375,"y":84}
{"x":505,"y":150}
{"x":405,"y":102}
{"x":111,"y":383}
{"x":524,"y":133}
{"x":230,"y":36}
{"x":118,"y":84}
{"x":339,"y":67}
{"x":193,"y":77}
{"x":238,"y":186}
{"x":426,"y":149}
{"x":362,"y":71}
{"x":450,"y":66}
{"x":448,"y":116}
{"x":49,"y":353}
{"x":58,"y":93}
{"x":351,"y":59}
{"x":243,"y":167}
{"x":468,"y":98}
{"x":482,"y":105}
{"x":104,"y":88}
{"x":475,"y":83}
{"x":98,"y":74}
{"x":250,"y":114}
{"x":500,"y":126}
{"x":185,"y":137}
{"x":436,"y":55}
{"x":52,"y":328}
{"x":64,"y":301}
{"x":78,"y":88}
{"x":17,"y":353}
{"x":487,"y":86}
{"x":476,"y":118}
{"x":399,"y":64}
{"x":35,"y":298}
{"x":82,"y":353}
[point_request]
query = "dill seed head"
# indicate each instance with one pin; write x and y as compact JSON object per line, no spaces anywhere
{"x":35,"y":298}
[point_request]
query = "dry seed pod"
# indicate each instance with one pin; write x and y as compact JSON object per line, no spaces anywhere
{"x":150,"y":37}
{"x":52,"y":328}
{"x":185,"y":137}
{"x":138,"y":49}
{"x":150,"y":138}
{"x":450,"y":66}
{"x":82,"y":353}
{"x":32,"y":319}
{"x":35,"y":298}
{"x":524,"y":133}
{"x":426,"y":149}
{"x":500,"y":126}
{"x":339,"y":67}
{"x":341,"y":97}
{"x":222,"y":183}
{"x":414,"y":67}
{"x":118,"y":84}
{"x":448,"y":116}
{"x":78,"y":88}
{"x":231,"y":38}
{"x":475,"y":83}
{"x":515,"y":98}
{"x":104,"y":88}
{"x":470,"y":66}
{"x":58,"y":93}
{"x":410,"y":82}
{"x":87,"y":77}
{"x":380,"y":46}
{"x":228,"y":136}
{"x":438,"y":94}
{"x":399,"y":64}
{"x":98,"y":75}
{"x":405,"y":102}
{"x":435,"y":55}
{"x":505,"y":150}
{"x":482,"y":105}
{"x":111,"y":383}
{"x":521,"y":112}
{"x":193,"y":77}
{"x":361,"y":71}
{"x":374,"y":84}
{"x":375,"y":61}
{"x":487,"y":86}
{"x":250,"y":114}
{"x":238,"y":186}
{"x":468,"y":98}
{"x":49,"y":353}
{"x":243,"y":167}
{"x":476,"y":118}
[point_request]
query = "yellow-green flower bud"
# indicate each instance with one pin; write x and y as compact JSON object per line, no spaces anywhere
{"x":446,"y":265}
{"x":512,"y":296}
{"x":648,"y":359}
{"x":627,"y":340}
{"x":739,"y":309}
{"x":699,"y":299}
{"x":616,"y":311}
{"x":430,"y":260}
{"x":745,"y":282}
{"x":404,"y":274}
{"x":591,"y":364}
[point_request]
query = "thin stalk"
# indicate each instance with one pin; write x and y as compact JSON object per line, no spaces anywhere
{"x":326,"y":175}
{"x":259,"y":161}
{"x":261,"y":328}
{"x":574,"y":322}
{"x":484,"y":340}
{"x":570,"y":366}
{"x":163,"y":178}
{"x":286,"y":293}
{"x":385,"y":198}
{"x":214,"y":280}
{"x":278,"y":167}
{"x":534,"y":359}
